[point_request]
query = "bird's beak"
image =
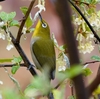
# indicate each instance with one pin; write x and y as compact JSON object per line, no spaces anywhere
{"x":41,"y":18}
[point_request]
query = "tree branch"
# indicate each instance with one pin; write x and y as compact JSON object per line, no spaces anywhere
{"x":10,"y":65}
{"x":91,"y":62}
{"x":24,"y":20}
{"x":23,"y":55}
{"x":63,"y":11}
{"x":95,"y":35}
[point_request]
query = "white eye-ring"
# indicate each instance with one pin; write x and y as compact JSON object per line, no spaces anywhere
{"x":44,"y":25}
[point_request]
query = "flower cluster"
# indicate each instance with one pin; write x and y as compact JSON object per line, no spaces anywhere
{"x":41,"y":6}
{"x":84,"y":37}
{"x":2,"y":36}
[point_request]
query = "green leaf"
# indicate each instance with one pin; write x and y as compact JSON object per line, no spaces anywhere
{"x":17,"y":60}
{"x":11,"y":94}
{"x":70,"y":73}
{"x":58,"y":94}
{"x":96,"y":58}
{"x":14,"y":69}
{"x":29,"y":21}
{"x":87,"y":72}
{"x":39,"y":84}
{"x":14,"y":23}
{"x":11,"y":15}
{"x":5,"y":60}
{"x":7,"y":16}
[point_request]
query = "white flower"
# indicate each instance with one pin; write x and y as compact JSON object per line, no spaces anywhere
{"x":1,"y":82}
{"x":9,"y":46}
{"x":1,"y":96}
{"x":2,"y":23}
{"x":79,"y":37}
{"x":86,"y":47}
{"x":78,"y":21}
{"x":41,"y":6}
{"x":2,"y":36}
{"x":89,"y":35}
{"x":24,"y":30}
{"x":61,"y":68}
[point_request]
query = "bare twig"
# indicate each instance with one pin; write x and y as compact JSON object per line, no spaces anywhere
{"x":91,"y":62}
{"x":24,"y":20}
{"x":62,"y":7}
{"x":10,"y":65}
{"x":95,"y":34}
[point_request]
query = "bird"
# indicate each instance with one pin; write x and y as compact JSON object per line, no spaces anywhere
{"x":42,"y":49}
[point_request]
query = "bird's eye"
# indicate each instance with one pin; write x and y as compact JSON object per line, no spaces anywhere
{"x":44,"y":25}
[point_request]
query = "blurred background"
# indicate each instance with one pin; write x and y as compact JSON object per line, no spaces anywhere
{"x":23,"y":75}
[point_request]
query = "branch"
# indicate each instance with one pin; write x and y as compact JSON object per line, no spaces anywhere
{"x":23,"y":55}
{"x":95,"y":35}
{"x":94,"y":84}
{"x":10,"y":65}
{"x":68,"y":35}
{"x":91,"y":62}
{"x":24,"y":20}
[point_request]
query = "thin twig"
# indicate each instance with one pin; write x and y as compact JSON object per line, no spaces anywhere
{"x":95,"y":35}
{"x":10,"y":65}
{"x":24,"y":20}
{"x":91,"y":62}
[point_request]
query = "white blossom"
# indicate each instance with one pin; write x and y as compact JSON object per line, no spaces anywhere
{"x":41,"y":7}
{"x":24,"y":30}
{"x":61,"y":68}
{"x":1,"y":82}
{"x":2,"y":23}
{"x":78,"y":21}
{"x":9,"y":46}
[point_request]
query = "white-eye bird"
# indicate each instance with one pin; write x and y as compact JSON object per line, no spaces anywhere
{"x":42,"y":49}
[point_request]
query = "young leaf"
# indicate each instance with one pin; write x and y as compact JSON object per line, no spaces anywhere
{"x":14,"y":69}
{"x":87,"y":72}
{"x":96,"y":58}
{"x":14,"y":23}
{"x":29,"y":21}
{"x":7,"y":16}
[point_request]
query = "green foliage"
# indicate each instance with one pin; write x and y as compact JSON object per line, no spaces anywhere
{"x":29,"y":21}
{"x":8,"y":18}
{"x":5,"y":60}
{"x":10,"y":94}
{"x":39,"y":86}
{"x":96,"y":58}
{"x":87,"y":71}
{"x":70,"y":73}
{"x":16,"y":61}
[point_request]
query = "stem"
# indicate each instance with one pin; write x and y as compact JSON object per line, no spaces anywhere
{"x":24,"y":20}
{"x":10,"y":65}
{"x":91,"y":62}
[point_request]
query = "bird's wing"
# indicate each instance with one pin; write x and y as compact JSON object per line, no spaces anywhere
{"x":44,"y":53}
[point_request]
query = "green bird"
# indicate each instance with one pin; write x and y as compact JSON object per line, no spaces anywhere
{"x":42,"y":49}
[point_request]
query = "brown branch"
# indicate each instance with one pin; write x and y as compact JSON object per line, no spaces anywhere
{"x":24,"y":20}
{"x":94,"y":84}
{"x":10,"y":65}
{"x":63,"y":11}
{"x":23,"y":55}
